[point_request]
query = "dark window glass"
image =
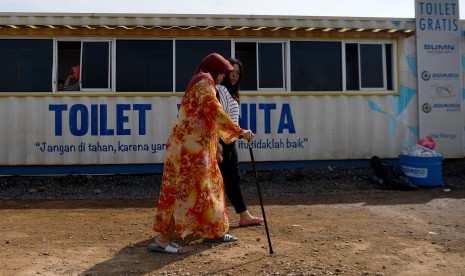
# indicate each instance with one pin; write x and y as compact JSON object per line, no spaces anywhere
{"x":352,"y":76}
{"x":69,"y":55}
{"x":271,"y":67}
{"x":144,"y":65}
{"x":95,"y":65}
{"x":389,"y":68}
{"x":371,"y":62}
{"x":316,"y":66}
{"x":246,"y":52}
{"x":26,"y":65}
{"x":189,"y":53}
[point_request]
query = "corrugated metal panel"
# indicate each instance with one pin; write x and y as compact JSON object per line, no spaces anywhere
{"x":342,"y":127}
{"x":252,"y":21}
{"x":29,"y":129}
{"x":323,"y":127}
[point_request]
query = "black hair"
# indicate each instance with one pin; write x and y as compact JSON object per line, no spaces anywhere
{"x":233,"y":89}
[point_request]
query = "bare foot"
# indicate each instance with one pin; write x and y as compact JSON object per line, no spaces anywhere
{"x":250,"y":221}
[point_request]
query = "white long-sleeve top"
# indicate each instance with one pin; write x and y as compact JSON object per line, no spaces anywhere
{"x":229,"y":104}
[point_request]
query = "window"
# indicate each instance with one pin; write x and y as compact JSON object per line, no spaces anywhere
{"x":167,"y":65}
{"x":69,"y":55}
{"x":94,"y":59}
{"x":26,"y":65}
{"x":271,"y":65}
{"x":352,"y":65}
{"x":247,"y":54}
{"x":189,"y":53}
{"x":144,"y":65}
{"x":316,"y":66}
{"x":263,"y":65}
{"x":369,"y":66}
{"x":389,"y":66}
{"x":95,"y":71}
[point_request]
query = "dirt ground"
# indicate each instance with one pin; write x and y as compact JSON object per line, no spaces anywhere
{"x":378,"y":233}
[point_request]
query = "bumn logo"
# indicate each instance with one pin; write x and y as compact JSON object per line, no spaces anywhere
{"x":425,"y":75}
{"x":439,"y":47}
{"x":426,"y":107}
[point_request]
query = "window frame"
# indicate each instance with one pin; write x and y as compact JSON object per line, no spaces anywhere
{"x":370,"y":90}
{"x":342,"y":69}
{"x":111,"y":65}
{"x":284,"y":61}
{"x":51,"y":39}
{"x":283,"y":69}
{"x":390,"y":78}
{"x":383,"y":90}
{"x":182,"y":39}
{"x":173,"y":63}
{"x":362,"y":68}
{"x":111,"y":77}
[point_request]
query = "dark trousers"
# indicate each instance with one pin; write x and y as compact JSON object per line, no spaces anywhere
{"x":231,"y":178}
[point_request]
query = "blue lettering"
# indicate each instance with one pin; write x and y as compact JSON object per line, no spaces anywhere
{"x":431,"y":24}
{"x":121,"y":119}
{"x":142,"y":108}
{"x":267,"y":108}
{"x":73,"y":120}
{"x":244,"y":117}
{"x":253,"y":118}
{"x":94,"y":119}
{"x":80,"y":121}
{"x":286,"y":121}
{"x":443,"y":47}
{"x":103,"y":121}
{"x":248,"y":117}
{"x":58,"y":108}
{"x":437,"y":8}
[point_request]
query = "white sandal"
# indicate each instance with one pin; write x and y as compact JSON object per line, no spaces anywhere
{"x":224,"y":238}
{"x":172,"y":248}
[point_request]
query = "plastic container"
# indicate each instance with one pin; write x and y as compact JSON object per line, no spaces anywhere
{"x":422,"y":171}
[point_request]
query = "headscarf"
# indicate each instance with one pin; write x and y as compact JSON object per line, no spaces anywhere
{"x":76,"y":71}
{"x":211,"y":66}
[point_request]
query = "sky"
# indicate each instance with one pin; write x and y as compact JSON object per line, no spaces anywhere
{"x":344,"y":8}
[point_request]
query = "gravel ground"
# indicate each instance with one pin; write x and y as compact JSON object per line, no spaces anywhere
{"x":309,"y":181}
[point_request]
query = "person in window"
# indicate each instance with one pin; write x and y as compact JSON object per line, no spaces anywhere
{"x":229,"y":98}
{"x":60,"y":85}
{"x":191,"y":200}
{"x":72,"y":81}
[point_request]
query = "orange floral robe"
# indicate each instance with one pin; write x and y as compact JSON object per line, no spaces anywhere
{"x":192,"y":188}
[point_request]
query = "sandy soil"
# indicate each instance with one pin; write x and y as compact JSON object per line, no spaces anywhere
{"x":378,"y":233}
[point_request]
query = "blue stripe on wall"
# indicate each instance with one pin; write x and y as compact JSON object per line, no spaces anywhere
{"x":158,"y":168}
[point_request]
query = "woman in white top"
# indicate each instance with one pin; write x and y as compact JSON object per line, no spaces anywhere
{"x":228,"y":92}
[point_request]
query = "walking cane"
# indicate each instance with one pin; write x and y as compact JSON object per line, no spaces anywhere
{"x":260,"y":196}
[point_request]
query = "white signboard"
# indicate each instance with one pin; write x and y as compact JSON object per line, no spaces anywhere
{"x":128,"y":130}
{"x":83,"y":130}
{"x":439,"y":75}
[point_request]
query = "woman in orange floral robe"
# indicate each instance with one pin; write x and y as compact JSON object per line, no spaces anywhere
{"x":192,"y":194}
